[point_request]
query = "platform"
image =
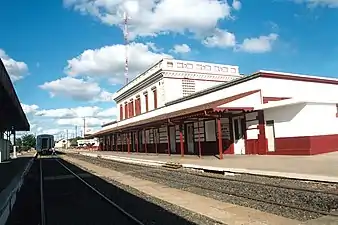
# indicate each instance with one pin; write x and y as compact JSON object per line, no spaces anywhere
{"x":319,"y":167}
{"x":11,"y":174}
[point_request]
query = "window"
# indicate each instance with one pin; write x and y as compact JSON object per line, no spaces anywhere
{"x":155,"y":98}
{"x":121,"y":112}
{"x":132,"y":108}
{"x":216,"y":68}
{"x":199,"y":66}
{"x":179,"y":65}
{"x":336,"y":110}
{"x":189,"y":66}
{"x":125,"y":110}
{"x":137,"y":106}
{"x":188,"y":87}
{"x":170,"y":64}
{"x":207,"y":68}
{"x":146,"y":101}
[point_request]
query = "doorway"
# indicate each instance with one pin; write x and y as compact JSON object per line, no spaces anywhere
{"x":172,"y":135}
{"x":238,"y":135}
{"x":190,"y":137}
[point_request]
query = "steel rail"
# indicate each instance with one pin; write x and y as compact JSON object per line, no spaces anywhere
{"x":102,"y":195}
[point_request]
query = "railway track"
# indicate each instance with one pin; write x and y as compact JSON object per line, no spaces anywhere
{"x":54,"y":190}
{"x":58,"y":192}
{"x":296,"y":200}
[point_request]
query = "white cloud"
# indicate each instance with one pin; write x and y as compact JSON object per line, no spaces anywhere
{"x":56,"y":121}
{"x":261,"y":44}
{"x":111,"y":112}
{"x":181,"y":49}
{"x":109,"y":61}
{"x":237,"y":5}
{"x":16,"y":69}
{"x":323,"y":3}
{"x":29,"y":108}
{"x":78,"y":112}
{"x":90,"y":122}
{"x":224,"y":39}
{"x":153,"y":17}
{"x":78,"y":89}
{"x":220,"y":38}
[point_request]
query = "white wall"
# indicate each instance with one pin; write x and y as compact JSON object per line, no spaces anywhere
{"x":248,"y":101}
{"x":252,"y":125}
{"x":172,"y":89}
{"x":298,"y":89}
{"x":303,"y":119}
{"x":158,"y":84}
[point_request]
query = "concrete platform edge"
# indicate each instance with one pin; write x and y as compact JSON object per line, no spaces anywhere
{"x":296,"y":176}
{"x":8,"y":195}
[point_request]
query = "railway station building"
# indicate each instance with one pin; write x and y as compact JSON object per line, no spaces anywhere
{"x":12,"y":116}
{"x":197,"y":108}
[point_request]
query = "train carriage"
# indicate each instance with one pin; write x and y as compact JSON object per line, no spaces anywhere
{"x":44,"y":144}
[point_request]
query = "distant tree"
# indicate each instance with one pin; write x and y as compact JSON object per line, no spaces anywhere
{"x":18,"y":142}
{"x":28,"y":141}
{"x":73,"y":141}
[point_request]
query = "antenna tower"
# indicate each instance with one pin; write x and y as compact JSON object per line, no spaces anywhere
{"x":126,"y":45}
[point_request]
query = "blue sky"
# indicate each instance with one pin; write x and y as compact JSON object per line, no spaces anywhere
{"x":66,"y":58}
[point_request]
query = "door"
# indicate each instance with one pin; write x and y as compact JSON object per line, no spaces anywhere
{"x":190,"y":137}
{"x":172,"y":136}
{"x":140,"y":141}
{"x":270,"y":135}
{"x":238,"y":131}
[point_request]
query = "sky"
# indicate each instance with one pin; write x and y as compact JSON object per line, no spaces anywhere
{"x":66,"y":58}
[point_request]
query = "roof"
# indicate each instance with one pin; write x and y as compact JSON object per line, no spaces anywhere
{"x":261,"y":73}
{"x":286,"y":102}
{"x":13,"y":116}
{"x":174,"y":115}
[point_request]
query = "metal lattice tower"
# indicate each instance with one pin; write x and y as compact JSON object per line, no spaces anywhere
{"x":126,"y":45}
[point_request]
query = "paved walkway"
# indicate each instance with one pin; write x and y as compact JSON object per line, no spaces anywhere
{"x":11,"y":168}
{"x":217,"y":210}
{"x":320,"y":167}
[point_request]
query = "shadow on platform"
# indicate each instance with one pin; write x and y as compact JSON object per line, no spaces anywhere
{"x":73,"y":204}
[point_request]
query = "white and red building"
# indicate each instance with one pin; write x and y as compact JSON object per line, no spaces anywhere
{"x":183,"y":107}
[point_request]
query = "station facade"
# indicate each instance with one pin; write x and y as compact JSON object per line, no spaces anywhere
{"x":184,"y":107}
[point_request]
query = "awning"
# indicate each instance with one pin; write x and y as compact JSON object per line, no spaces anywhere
{"x":209,"y":107}
{"x":12,"y":115}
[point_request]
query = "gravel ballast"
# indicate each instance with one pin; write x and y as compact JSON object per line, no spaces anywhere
{"x":236,"y":190}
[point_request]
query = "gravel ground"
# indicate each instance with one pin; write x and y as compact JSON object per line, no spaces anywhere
{"x":228,"y":191}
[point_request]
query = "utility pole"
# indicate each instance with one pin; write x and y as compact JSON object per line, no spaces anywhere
{"x":84,"y":127}
{"x":67,"y":139}
{"x":75,"y":131}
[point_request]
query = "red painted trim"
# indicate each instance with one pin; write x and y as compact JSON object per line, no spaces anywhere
{"x":229,"y":109}
{"x":269,"y":99}
{"x":220,"y":141}
{"x":298,"y":78}
{"x":121,"y":112}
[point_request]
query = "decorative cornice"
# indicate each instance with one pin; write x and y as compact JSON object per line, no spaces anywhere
{"x":139,"y":87}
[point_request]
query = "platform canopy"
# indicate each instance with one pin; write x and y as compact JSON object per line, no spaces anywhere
{"x":12,"y":116}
